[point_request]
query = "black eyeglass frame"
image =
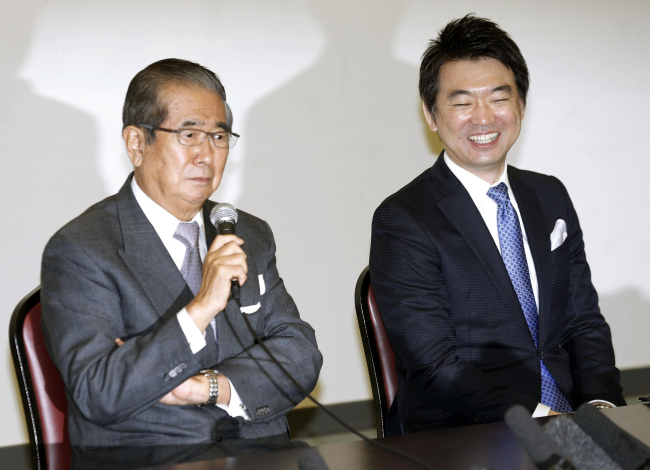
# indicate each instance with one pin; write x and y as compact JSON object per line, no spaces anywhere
{"x":211,"y":135}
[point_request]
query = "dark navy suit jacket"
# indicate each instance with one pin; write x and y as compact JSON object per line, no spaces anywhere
{"x":464,"y":350}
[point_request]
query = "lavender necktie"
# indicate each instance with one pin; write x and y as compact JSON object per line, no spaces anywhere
{"x":192,"y":269}
{"x":514,"y":257}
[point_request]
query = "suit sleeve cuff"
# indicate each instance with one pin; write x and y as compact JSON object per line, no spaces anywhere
{"x":541,"y":410}
{"x":236,"y":407}
{"x":195,"y":337}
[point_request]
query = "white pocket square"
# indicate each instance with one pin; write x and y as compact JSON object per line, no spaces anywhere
{"x":250,"y":308}
{"x":260,"y":278}
{"x":558,"y":235}
{"x":254,"y":308}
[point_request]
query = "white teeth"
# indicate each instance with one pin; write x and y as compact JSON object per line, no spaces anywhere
{"x":484,"y":138}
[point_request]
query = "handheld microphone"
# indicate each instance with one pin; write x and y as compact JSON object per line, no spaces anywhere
{"x":224,"y":217}
{"x":627,"y":451}
{"x":540,"y":447}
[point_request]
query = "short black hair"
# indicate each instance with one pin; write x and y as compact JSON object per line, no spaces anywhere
{"x":470,"y":38}
{"x":143,"y":103}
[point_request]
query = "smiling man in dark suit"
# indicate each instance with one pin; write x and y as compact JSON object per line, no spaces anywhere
{"x":479,"y":268}
{"x":136,"y":300}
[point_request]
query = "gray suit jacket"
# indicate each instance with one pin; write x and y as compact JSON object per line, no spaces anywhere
{"x":107,"y":275}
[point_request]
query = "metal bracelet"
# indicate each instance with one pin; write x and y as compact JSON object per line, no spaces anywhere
{"x":214,"y":385}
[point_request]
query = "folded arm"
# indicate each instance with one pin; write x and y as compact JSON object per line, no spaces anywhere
{"x":85,"y":308}
{"x":263,"y":387}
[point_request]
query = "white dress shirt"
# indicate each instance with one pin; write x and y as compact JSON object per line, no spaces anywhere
{"x":165,"y":226}
{"x":477,"y":189}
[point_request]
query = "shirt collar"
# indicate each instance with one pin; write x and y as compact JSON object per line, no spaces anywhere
{"x":163,"y":222}
{"x":475,"y":186}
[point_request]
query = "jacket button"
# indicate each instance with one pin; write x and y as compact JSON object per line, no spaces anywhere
{"x":263,"y":411}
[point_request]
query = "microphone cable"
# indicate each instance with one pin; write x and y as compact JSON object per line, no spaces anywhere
{"x":224,"y":217}
{"x":235,"y":295}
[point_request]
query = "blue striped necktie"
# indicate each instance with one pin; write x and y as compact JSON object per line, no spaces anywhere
{"x":514,"y":257}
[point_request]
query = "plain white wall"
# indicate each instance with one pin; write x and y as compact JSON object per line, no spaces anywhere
{"x":325,"y":97}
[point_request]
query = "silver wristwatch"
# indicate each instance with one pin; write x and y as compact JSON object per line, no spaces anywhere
{"x":214,"y":385}
{"x":601,"y":406}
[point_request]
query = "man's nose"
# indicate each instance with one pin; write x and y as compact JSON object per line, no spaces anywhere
{"x":205,"y":152}
{"x":482,"y":114}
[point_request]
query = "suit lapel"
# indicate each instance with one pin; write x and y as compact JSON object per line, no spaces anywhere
{"x":230,"y":320}
{"x":210,"y":230}
{"x":539,"y":242}
{"x":461,"y":211}
{"x":148,"y":259}
{"x":210,"y":235}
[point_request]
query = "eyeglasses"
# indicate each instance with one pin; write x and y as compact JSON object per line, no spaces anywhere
{"x":192,"y":137}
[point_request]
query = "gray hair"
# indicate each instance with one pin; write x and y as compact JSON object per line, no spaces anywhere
{"x":143,"y":104}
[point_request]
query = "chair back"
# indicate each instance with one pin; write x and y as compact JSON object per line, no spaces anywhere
{"x":380,"y":357}
{"x":42,"y":390}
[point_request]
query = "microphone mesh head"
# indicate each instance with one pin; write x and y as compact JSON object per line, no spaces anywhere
{"x":577,"y":445}
{"x":223,"y":212}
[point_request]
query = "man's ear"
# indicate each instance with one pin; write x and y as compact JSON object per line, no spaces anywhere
{"x":522,"y":106}
{"x":429,"y":117}
{"x":135,"y":141}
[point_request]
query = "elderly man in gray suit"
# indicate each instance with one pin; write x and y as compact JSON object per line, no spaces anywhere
{"x":151,"y":346}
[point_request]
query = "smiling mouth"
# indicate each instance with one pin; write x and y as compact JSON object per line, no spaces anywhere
{"x":484,"y":138}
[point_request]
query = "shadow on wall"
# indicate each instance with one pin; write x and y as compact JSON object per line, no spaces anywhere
{"x":325,"y":148}
{"x":48,"y":153}
{"x":48,"y":160}
{"x":322,"y":138}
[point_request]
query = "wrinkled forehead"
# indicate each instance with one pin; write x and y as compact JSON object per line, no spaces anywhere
{"x":188,"y":106}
